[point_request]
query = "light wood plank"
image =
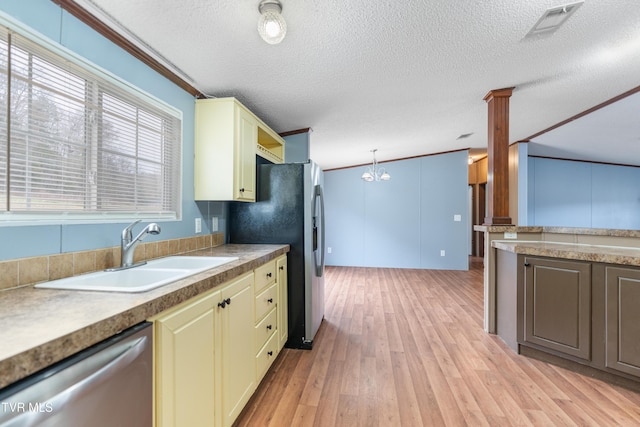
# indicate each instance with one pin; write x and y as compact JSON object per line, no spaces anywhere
{"x":406,"y":348}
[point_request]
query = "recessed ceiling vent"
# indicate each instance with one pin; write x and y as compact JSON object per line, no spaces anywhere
{"x":553,"y":18}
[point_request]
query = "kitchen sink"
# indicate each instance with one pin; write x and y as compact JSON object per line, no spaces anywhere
{"x":199,"y":263}
{"x":141,"y":278}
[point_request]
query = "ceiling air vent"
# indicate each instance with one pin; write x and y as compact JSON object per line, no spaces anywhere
{"x":553,"y":18}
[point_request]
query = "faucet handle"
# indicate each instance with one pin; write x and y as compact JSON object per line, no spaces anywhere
{"x":126,"y":233}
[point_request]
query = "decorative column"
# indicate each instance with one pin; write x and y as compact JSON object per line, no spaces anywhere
{"x":498,"y":157}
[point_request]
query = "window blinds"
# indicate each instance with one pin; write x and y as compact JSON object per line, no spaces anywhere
{"x":73,"y":141}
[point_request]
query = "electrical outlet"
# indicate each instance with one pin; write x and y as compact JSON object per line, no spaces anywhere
{"x":442,"y":252}
{"x":214,"y":224}
{"x":329,"y":249}
{"x":198,"y":225}
{"x":457,"y":217}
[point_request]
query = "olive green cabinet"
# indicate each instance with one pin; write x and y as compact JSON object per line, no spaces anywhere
{"x":582,"y":311}
{"x":622,"y":311}
{"x":557,"y":305}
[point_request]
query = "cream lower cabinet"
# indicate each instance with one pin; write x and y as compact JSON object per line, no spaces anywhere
{"x":266,"y":316}
{"x":184,"y":339}
{"x":237,"y":367}
{"x":283,"y":312}
{"x":205,"y":368}
{"x":211,"y":352}
{"x":270,"y":313}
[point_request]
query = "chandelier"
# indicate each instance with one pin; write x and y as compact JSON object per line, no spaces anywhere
{"x":375,"y":172}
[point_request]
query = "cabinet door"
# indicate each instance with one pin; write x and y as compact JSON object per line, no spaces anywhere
{"x":557,"y":305}
{"x":184,"y":364}
{"x":237,"y":346}
{"x":623,"y":319}
{"x":245,"y":171}
{"x":226,"y":136}
{"x":283,"y":305}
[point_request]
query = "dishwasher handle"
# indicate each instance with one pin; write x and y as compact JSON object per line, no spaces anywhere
{"x":92,"y":378}
{"x":124,"y":359}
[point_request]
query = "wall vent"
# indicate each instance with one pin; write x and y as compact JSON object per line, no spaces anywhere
{"x":553,"y":18}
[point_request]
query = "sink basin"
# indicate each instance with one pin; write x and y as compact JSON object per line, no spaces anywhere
{"x":200,"y":263}
{"x":142,"y":278}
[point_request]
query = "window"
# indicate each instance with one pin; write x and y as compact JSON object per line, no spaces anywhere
{"x":75,"y":143}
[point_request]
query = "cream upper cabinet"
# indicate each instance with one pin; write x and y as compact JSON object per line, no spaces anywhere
{"x":227,"y":139}
{"x":184,"y":363}
{"x":244,"y":180}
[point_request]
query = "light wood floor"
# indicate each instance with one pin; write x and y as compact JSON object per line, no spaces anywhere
{"x":406,"y":348}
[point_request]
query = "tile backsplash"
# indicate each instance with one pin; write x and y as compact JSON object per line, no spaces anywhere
{"x":28,"y":271}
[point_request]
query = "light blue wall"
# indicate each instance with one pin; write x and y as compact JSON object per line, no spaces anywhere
{"x":580,"y":194}
{"x":296,"y":148}
{"x":523,"y":180}
{"x":402,"y":223}
{"x":45,"y":17}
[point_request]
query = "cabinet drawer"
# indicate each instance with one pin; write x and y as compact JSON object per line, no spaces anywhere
{"x":266,"y":356}
{"x":265,"y":276}
{"x":265,"y":301}
{"x":266,"y":328}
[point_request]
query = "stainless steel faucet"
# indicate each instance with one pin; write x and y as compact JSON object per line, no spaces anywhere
{"x":128,"y":243}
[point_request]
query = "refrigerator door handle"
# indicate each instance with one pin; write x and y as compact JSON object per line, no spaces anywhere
{"x":319,"y":199}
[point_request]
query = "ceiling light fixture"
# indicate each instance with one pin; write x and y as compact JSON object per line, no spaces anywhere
{"x":374,"y":172}
{"x":271,"y":25}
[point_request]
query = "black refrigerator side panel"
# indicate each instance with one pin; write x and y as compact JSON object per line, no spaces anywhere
{"x":278,"y":217}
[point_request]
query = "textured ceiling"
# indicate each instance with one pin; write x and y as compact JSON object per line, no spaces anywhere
{"x":406,"y":77}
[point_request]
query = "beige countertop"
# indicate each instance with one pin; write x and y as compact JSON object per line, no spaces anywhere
{"x":611,"y":232}
{"x":582,"y":252}
{"x":39,"y":327}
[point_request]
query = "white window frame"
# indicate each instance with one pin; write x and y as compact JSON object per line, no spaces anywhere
{"x":10,"y":218}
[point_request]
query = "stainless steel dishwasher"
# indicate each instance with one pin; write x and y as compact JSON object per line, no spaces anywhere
{"x":108,"y":384}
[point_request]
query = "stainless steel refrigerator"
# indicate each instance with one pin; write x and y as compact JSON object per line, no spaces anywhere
{"x":289,"y":208}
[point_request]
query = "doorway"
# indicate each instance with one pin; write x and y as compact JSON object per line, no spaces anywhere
{"x":478,"y":206}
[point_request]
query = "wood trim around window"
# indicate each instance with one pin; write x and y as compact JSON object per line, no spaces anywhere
{"x":103,"y":29}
